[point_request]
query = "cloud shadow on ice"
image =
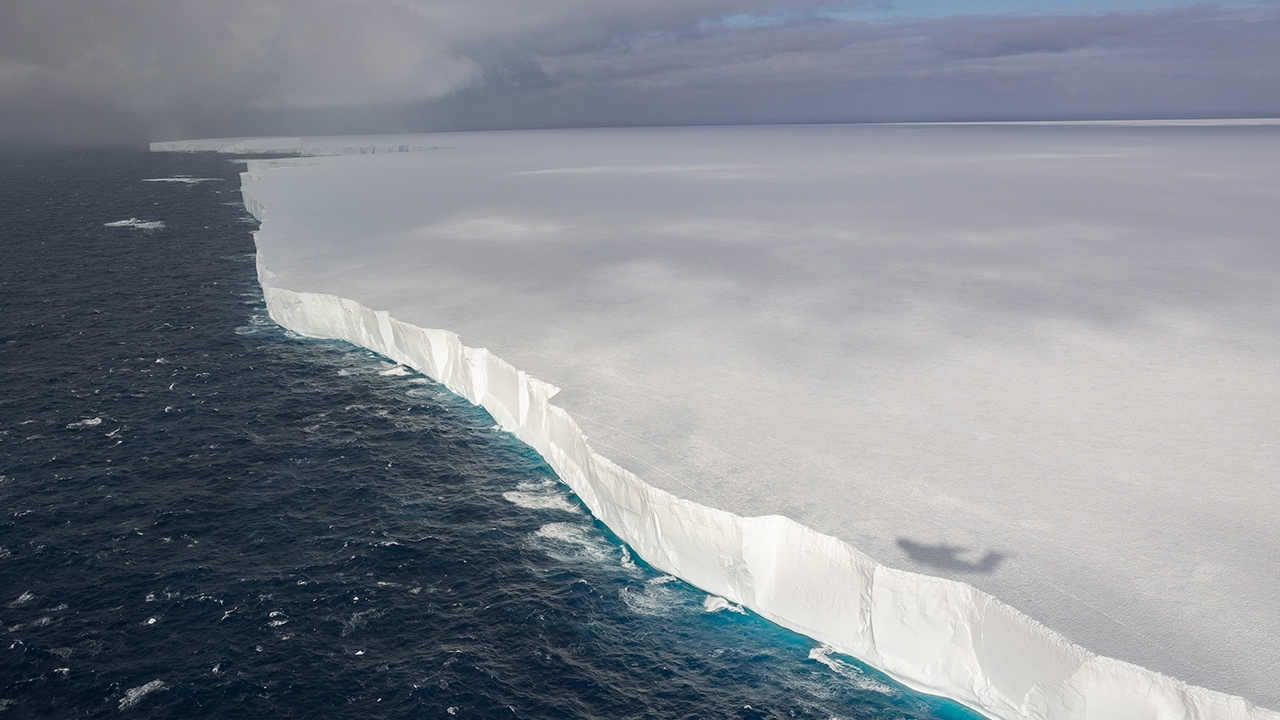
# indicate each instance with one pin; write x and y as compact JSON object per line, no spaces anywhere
{"x":915,"y":247}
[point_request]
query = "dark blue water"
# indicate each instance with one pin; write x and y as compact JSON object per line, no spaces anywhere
{"x":202,"y":515}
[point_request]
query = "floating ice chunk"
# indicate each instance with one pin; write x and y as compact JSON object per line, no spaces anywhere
{"x":136,"y":223}
{"x":185,"y":179}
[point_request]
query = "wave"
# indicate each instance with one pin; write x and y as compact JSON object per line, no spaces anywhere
{"x":539,"y":497}
{"x":715,"y":603}
{"x":134,"y":695}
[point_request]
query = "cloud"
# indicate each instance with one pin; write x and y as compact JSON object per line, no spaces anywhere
{"x":147,"y":69}
{"x":1201,"y":61}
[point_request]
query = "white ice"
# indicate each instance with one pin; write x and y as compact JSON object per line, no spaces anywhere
{"x":136,"y":223}
{"x":1036,"y":359}
{"x":182,"y":179}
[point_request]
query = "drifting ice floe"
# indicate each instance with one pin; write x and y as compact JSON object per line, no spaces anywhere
{"x":136,"y":223}
{"x":184,"y":179}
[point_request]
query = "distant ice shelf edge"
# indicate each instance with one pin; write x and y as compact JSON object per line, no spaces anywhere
{"x":935,"y":635}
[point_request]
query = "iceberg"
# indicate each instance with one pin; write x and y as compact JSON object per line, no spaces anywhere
{"x":181,"y":179}
{"x":304,"y":146}
{"x":1028,"y":363}
{"x":136,"y":223}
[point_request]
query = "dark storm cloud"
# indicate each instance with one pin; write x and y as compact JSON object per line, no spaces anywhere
{"x":146,"y":69}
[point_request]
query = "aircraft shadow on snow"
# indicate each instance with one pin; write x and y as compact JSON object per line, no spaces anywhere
{"x":951,"y":557}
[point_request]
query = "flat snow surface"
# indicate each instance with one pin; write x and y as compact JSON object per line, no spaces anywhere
{"x":1043,"y":360}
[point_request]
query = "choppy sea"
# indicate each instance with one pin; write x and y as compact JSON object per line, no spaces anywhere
{"x":203,"y":515}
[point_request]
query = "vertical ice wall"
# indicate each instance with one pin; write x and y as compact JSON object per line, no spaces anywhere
{"x":305,"y":146}
{"x":933,"y":634}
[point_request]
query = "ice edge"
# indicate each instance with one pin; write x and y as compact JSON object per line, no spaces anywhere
{"x":932,"y":634}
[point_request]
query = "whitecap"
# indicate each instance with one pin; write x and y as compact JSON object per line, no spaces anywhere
{"x":396,"y":371}
{"x":359,"y":619}
{"x":540,"y":500}
{"x":564,"y":532}
{"x":715,"y":603}
{"x":571,"y":542}
{"x":136,"y":223}
{"x":23,"y":599}
{"x":860,"y":679}
{"x":87,"y":422}
{"x":656,"y":598}
{"x":627,"y":563}
{"x":133,"y":695}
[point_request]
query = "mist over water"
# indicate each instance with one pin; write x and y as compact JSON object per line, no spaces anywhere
{"x":204,"y":515}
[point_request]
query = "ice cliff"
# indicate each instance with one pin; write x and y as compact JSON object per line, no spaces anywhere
{"x":305,"y":146}
{"x":933,"y":634}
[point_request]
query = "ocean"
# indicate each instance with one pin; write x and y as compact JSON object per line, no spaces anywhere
{"x":204,"y":515}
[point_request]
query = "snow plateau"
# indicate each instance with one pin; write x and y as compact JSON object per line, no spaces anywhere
{"x":1036,"y":361}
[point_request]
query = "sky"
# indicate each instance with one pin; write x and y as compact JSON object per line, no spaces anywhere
{"x":113,"y":71}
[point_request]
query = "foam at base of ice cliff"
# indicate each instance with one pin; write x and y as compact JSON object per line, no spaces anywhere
{"x":933,"y":634}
